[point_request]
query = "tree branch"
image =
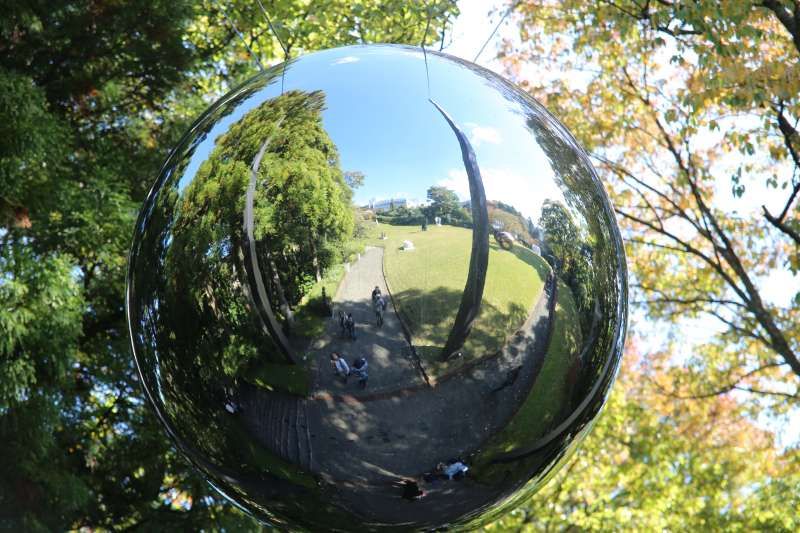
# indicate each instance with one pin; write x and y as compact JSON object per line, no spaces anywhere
{"x":787,"y":18}
{"x":716,"y":392}
{"x":750,"y":295}
{"x":789,"y":134}
{"x":688,"y":248}
{"x":768,"y":392}
{"x":744,"y":332}
{"x":782,"y":226}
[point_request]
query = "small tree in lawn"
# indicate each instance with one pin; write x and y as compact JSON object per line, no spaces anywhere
{"x":444,"y":202}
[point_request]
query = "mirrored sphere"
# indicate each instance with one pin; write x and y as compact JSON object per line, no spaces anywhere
{"x":364,"y":295}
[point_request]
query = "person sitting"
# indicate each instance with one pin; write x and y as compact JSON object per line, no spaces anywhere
{"x":411,"y":490}
{"x":454,"y":469}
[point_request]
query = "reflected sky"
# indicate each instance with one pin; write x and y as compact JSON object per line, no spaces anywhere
{"x":385,"y":141}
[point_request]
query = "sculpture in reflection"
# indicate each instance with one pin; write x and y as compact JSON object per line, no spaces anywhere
{"x":357,"y":305}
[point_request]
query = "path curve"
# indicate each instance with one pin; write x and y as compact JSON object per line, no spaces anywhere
{"x":399,"y":427}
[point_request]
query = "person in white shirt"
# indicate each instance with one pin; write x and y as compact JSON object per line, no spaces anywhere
{"x":452,"y":469}
{"x":340,"y":366}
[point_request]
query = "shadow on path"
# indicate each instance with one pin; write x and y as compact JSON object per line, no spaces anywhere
{"x":363,"y":442}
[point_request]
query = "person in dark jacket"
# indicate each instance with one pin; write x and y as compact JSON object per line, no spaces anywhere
{"x":360,"y":370}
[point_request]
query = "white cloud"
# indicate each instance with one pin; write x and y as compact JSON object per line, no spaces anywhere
{"x":483,"y":134}
{"x":457,"y":182}
{"x":524,"y":192}
{"x":346,"y":59}
{"x":416,"y":54}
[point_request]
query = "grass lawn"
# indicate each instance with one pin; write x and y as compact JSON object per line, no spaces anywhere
{"x":427,"y":284}
{"x":537,"y":414}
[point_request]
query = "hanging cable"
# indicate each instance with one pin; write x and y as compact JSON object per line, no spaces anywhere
{"x":502,"y":19}
{"x":444,"y":32}
{"x":424,"y":53}
{"x":274,"y":32}
{"x":256,"y":59}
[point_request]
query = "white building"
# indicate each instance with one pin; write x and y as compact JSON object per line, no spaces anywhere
{"x":389,"y":203}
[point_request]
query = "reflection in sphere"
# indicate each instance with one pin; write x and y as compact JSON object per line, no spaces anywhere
{"x":356,"y":304}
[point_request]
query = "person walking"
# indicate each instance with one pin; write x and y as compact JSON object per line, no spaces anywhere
{"x":379,"y":304}
{"x":340,"y":366}
{"x":360,"y":370}
{"x":350,"y":324}
{"x":342,"y":324}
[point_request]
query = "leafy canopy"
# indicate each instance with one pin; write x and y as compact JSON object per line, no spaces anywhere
{"x":92,"y":98}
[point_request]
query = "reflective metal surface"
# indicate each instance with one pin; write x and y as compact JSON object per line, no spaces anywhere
{"x":487,"y":323}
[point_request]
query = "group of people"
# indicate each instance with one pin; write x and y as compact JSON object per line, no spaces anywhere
{"x":344,"y":370}
{"x":347,"y":324}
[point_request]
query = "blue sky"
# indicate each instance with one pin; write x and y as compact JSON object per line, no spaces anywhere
{"x":383,"y":124}
{"x":378,"y":115}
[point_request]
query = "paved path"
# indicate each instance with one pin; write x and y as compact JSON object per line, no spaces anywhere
{"x":362,"y":442}
{"x":385,"y":348}
{"x":401,"y":431}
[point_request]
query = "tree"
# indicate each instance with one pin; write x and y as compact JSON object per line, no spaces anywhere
{"x":510,"y":219}
{"x":561,"y":236}
{"x":354,"y":179}
{"x":652,"y":462}
{"x":444,"y":202}
{"x":686,"y":95}
{"x":301,"y":210}
{"x":92,"y":97}
{"x":570,"y":255}
{"x":667,"y":77}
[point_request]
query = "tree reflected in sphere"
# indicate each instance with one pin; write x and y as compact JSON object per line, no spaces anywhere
{"x":357,"y":303}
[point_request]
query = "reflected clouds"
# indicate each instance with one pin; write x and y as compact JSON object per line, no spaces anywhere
{"x":483,"y":134}
{"x":481,"y":314}
{"x":504,"y":185}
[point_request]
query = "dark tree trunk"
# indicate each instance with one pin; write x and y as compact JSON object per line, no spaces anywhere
{"x":255,"y":280}
{"x":479,"y":257}
{"x":286,"y":309}
{"x":315,"y":260}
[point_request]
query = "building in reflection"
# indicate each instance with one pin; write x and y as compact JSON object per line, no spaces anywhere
{"x":390,"y":204}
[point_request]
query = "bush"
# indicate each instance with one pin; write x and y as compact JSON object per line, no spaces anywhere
{"x":402,"y":216}
{"x":461,"y":218}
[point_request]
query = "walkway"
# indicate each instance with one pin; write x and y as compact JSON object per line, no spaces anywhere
{"x":362,"y":442}
{"x":385,"y":348}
